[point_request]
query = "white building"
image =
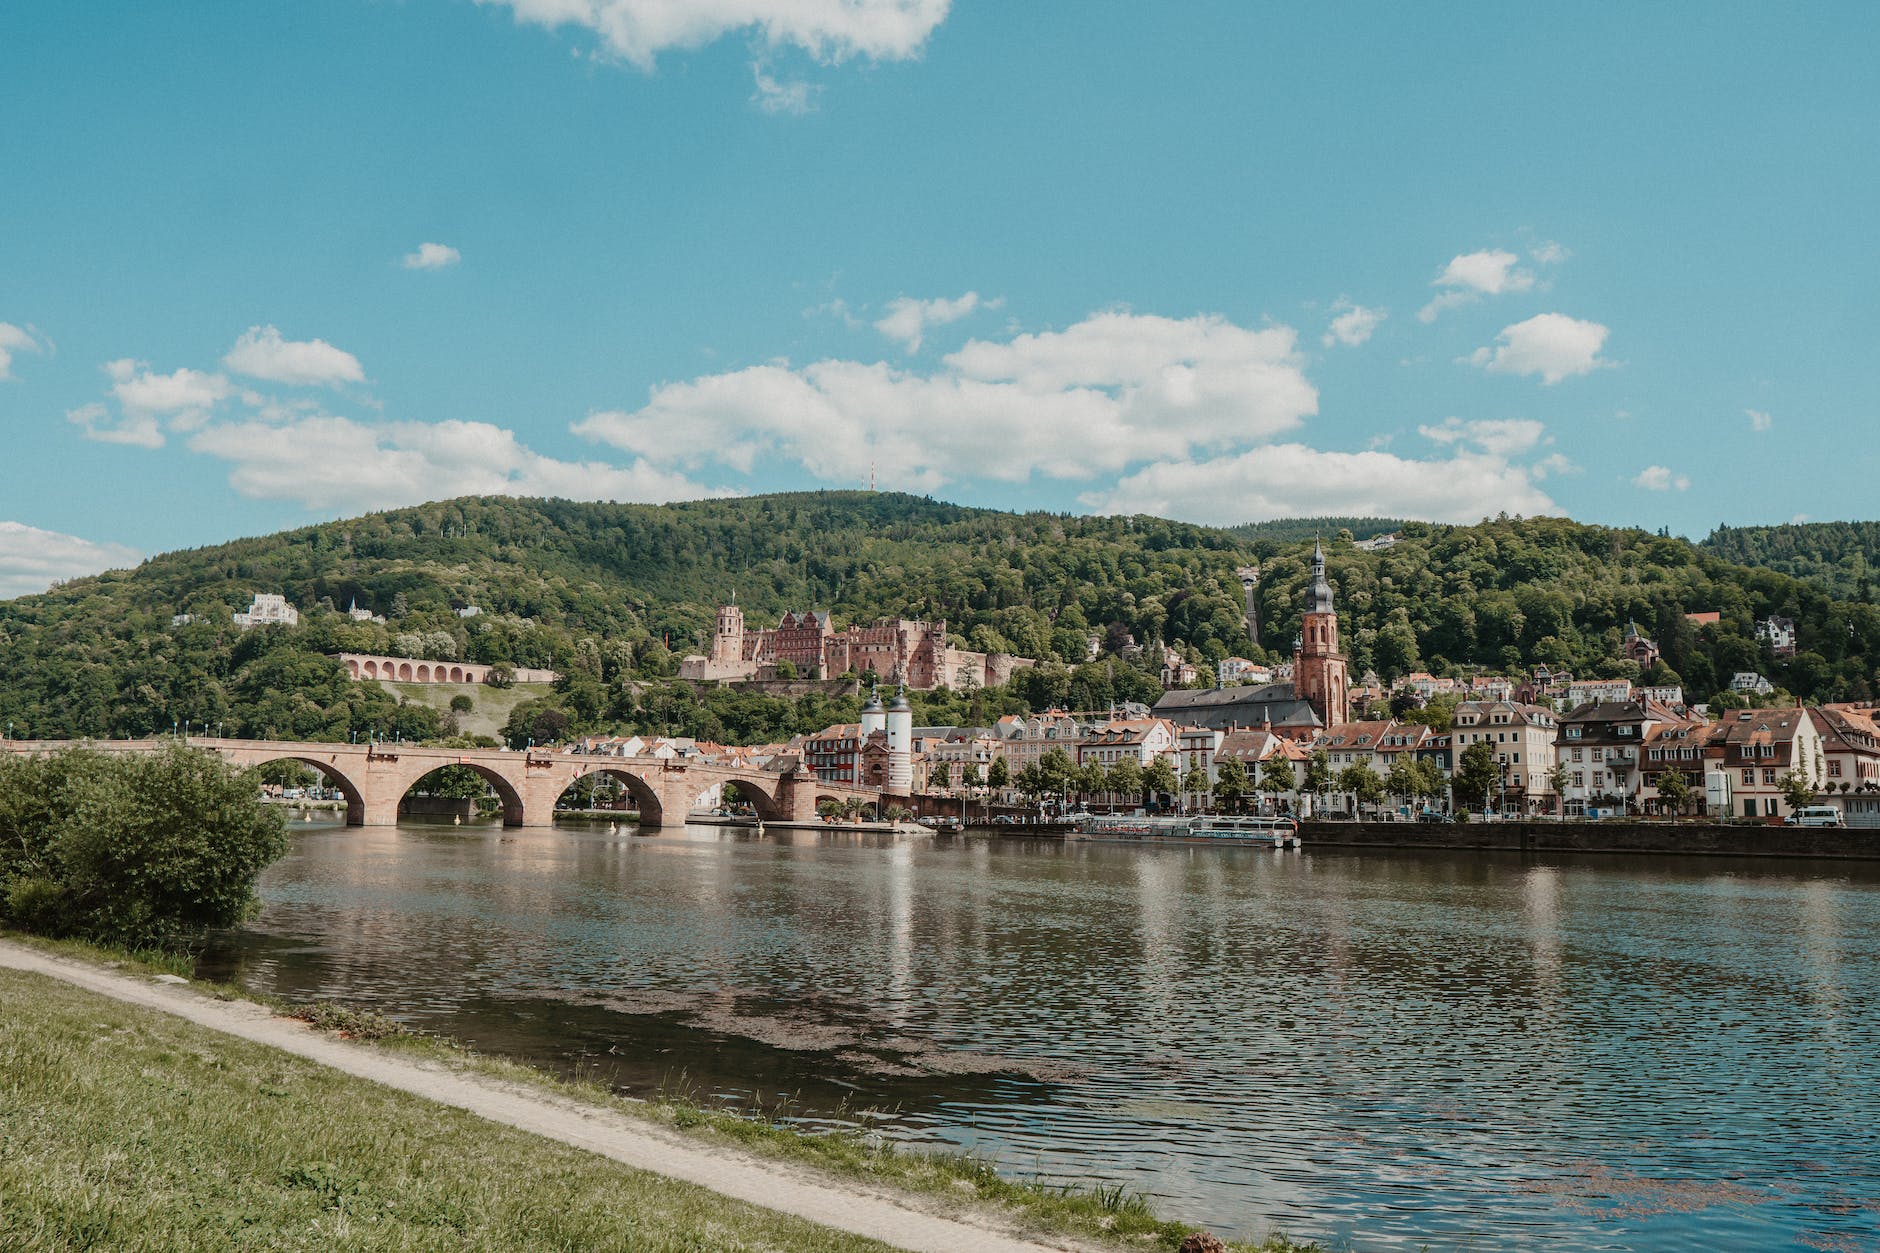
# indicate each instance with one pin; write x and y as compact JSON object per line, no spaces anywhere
{"x":1598,"y":691}
{"x":1234,"y":670}
{"x":268,"y":609}
{"x":1750,"y":683}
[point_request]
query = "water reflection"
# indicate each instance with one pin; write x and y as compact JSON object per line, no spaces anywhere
{"x":1459,"y":1051}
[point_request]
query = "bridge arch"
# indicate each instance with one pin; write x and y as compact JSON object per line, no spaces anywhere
{"x":762,"y":799}
{"x":645,"y":797}
{"x":348,"y":787}
{"x":506,"y":791}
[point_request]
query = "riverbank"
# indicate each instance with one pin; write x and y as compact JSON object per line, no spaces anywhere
{"x":275,"y":1133}
{"x":1696,"y":839}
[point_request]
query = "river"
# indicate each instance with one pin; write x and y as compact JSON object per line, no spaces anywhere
{"x":1458,"y":1051}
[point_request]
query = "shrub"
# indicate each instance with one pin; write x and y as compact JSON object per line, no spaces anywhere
{"x":138,"y":850}
{"x":461,"y":703}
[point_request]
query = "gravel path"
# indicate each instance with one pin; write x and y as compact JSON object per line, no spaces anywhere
{"x":897,"y":1219}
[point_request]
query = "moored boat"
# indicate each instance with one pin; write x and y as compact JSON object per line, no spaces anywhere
{"x":1188,"y":829}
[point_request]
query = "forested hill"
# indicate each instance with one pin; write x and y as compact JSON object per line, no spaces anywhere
{"x":1295,"y":530}
{"x":1839,"y":555}
{"x":612,"y":595}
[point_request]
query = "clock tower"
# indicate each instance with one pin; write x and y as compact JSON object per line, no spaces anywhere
{"x":1319,"y":675}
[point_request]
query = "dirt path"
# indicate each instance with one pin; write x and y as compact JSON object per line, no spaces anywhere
{"x":892,"y":1218}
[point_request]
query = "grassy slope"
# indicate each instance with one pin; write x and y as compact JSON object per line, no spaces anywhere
{"x":129,"y":1129}
{"x":1097,"y":1212}
{"x":490,"y":706}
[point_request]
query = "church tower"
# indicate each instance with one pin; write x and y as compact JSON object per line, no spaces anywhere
{"x":1319,"y":676}
{"x":728,"y":643}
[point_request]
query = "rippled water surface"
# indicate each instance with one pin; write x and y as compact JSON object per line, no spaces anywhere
{"x":1459,"y":1051}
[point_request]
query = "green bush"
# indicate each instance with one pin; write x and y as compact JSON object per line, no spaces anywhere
{"x":461,"y":704}
{"x":138,"y":849}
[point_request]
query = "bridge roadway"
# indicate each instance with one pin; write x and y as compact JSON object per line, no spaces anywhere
{"x":374,"y":778}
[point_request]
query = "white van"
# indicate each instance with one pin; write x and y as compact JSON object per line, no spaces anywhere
{"x":1817,"y":816}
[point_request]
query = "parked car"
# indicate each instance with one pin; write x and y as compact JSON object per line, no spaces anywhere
{"x":1817,"y":816}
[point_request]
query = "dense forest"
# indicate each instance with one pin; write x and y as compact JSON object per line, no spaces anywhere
{"x":1838,"y":555}
{"x":613,"y":595}
{"x":1282,"y":531}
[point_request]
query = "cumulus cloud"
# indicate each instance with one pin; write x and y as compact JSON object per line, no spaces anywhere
{"x":1473,"y":275}
{"x":139,"y":430}
{"x":261,"y":353}
{"x":1503,"y":437}
{"x":1291,"y":480}
{"x":829,"y":30}
{"x":1114,"y":389}
{"x":15,"y":339}
{"x":1352,"y":324}
{"x":1548,"y":253}
{"x":335,"y":463}
{"x":1551,"y":345}
{"x":1758,"y":420}
{"x":184,"y":398}
{"x":31,"y":560}
{"x":907,"y":319}
{"x":432,"y":257}
{"x":778,"y":96}
{"x":1660,"y":479}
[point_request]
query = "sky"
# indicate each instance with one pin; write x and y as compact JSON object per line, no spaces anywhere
{"x":270,"y":263}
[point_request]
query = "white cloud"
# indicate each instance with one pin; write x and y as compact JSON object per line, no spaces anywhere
{"x":907,"y":319}
{"x":334,"y":463}
{"x":262,"y":353}
{"x":432,"y":257}
{"x":1660,"y":479}
{"x":1548,"y":253}
{"x":1553,"y":464}
{"x":184,"y":397}
{"x":1473,"y":275}
{"x":1291,"y":480}
{"x":1353,"y":324}
{"x":1114,"y":389}
{"x":777,"y":96}
{"x":1758,"y":420}
{"x":15,"y":339}
{"x":829,"y":30}
{"x":31,"y":560}
{"x":140,"y":430}
{"x":1501,"y":437}
{"x":1551,"y":345}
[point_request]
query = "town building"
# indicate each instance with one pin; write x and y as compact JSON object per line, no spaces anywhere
{"x":1778,"y":634}
{"x":1754,"y":748}
{"x":1850,"y":746}
{"x":1637,"y":647}
{"x":901,"y":650}
{"x":1598,"y":691}
{"x":1749,"y":683}
{"x":1177,"y":671}
{"x":1141,"y":740}
{"x":356,"y":614}
{"x":1601,"y":744}
{"x":1237,"y":670}
{"x":1523,"y":738}
{"x":268,"y":609}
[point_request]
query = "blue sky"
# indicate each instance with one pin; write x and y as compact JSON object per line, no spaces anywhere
{"x":268,"y":263}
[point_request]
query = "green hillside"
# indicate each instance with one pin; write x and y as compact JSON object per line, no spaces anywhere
{"x":1838,"y":555}
{"x":612,"y":595}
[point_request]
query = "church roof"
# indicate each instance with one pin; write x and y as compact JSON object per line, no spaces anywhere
{"x":1219,"y":708}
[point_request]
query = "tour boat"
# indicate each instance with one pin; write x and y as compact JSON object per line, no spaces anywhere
{"x":1188,"y":829}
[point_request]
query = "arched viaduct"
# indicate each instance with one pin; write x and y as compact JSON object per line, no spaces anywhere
{"x":375,"y":777}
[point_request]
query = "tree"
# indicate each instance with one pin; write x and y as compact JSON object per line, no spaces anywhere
{"x":461,"y":704}
{"x":1160,"y":777}
{"x":1557,"y":778}
{"x":500,"y":675}
{"x":1231,"y":783}
{"x":1405,"y":778}
{"x":1362,"y":782}
{"x":1319,"y":772}
{"x":941,"y":775}
{"x":1277,"y":777}
{"x":786,"y":669}
{"x":1030,"y":779}
{"x":1125,"y":778}
{"x":1057,"y":772}
{"x":150,"y":849}
{"x":969,"y":775}
{"x":999,"y":773}
{"x":1673,"y":790}
{"x":1476,"y":774}
{"x":1797,"y":788}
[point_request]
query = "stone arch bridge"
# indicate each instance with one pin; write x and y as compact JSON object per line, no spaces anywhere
{"x":375,"y":778}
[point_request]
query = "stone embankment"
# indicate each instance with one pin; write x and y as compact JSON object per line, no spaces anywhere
{"x":1542,"y":836}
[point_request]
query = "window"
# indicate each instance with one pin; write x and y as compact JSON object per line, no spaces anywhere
{"x":1769,"y":776}
{"x":1834,"y":770}
{"x":1749,"y":775}
{"x":1579,"y":778}
{"x":1599,"y":754}
{"x":1577,"y":752}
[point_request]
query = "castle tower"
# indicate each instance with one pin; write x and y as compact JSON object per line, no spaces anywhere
{"x":1319,"y":676}
{"x":900,"y":728}
{"x":728,"y":643}
{"x":874,"y":717}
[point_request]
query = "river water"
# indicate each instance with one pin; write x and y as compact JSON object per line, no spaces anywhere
{"x":1458,"y":1051}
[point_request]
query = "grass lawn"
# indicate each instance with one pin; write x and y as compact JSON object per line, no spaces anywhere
{"x":123,"y":1128}
{"x":490,"y":706}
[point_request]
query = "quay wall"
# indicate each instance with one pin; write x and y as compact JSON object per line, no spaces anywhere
{"x":1687,"y":838}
